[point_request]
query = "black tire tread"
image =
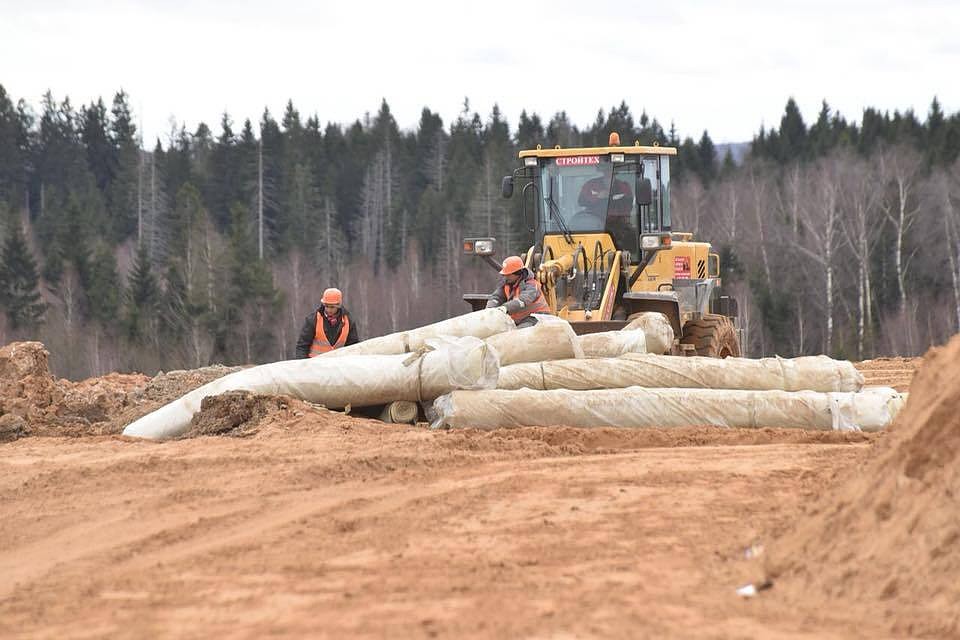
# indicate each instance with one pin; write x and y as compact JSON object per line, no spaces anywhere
{"x":713,"y":336}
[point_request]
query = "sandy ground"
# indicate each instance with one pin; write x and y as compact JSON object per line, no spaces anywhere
{"x":315,"y":524}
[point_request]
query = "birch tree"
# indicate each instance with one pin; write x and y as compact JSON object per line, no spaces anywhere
{"x":946,"y":199}
{"x":690,"y":202}
{"x":820,"y":221}
{"x":332,"y":245}
{"x":900,"y":168}
{"x":862,"y":223}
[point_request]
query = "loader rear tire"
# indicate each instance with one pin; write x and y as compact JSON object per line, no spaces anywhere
{"x":713,"y":336}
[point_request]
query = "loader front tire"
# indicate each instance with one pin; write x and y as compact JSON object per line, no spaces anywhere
{"x":713,"y":336}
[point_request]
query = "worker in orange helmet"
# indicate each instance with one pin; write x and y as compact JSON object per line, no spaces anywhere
{"x":519,"y":293}
{"x":329,"y":327}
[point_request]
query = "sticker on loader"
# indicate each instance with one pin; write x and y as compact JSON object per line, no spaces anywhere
{"x":681,"y":267}
{"x":577,"y":161}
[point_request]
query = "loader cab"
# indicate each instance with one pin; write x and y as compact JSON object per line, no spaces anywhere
{"x":617,"y":194}
{"x":620,"y":191}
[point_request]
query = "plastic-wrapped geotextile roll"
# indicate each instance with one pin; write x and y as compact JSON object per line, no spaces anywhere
{"x":656,"y":329}
{"x":454,"y":363}
{"x":479,"y":324}
{"x":552,"y":339}
{"x":611,"y":344}
{"x":400,"y":412}
{"x":869,"y":410}
{"x":808,"y":373}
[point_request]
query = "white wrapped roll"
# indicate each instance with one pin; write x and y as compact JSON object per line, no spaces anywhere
{"x":869,"y":410}
{"x":400,"y":412}
{"x":812,"y":373}
{"x":456,"y":363}
{"x":611,"y":344}
{"x":656,"y":329}
{"x":479,"y":324}
{"x":550,"y":339}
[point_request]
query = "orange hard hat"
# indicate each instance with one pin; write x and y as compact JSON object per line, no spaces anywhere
{"x":511,"y":265}
{"x":332,"y":297}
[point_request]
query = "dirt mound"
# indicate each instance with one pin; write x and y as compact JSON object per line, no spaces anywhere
{"x":161,"y":389}
{"x":165,"y":387}
{"x":26,"y":386}
{"x":35,"y":403}
{"x":889,"y":372}
{"x":888,"y":537}
{"x":234,"y":413}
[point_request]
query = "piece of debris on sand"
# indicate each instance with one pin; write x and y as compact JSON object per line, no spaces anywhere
{"x":234,"y":413}
{"x":12,"y":427}
{"x":888,"y":536}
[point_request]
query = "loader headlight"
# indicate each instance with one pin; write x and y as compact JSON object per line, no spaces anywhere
{"x":530,"y":162}
{"x":483,"y":247}
{"x":661,"y":241}
{"x":649,"y":242}
{"x":479,"y":246}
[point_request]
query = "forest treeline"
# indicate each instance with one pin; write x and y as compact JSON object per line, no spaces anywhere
{"x":838,"y":236}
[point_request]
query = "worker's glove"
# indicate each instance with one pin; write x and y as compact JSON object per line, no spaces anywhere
{"x":503,"y":308}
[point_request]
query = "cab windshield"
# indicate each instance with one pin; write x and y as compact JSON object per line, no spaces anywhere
{"x":593,"y":194}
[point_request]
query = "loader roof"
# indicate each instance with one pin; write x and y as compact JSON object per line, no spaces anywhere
{"x":558,"y":151}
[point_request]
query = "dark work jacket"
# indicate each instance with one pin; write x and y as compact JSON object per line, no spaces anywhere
{"x":528,"y":294}
{"x":331,"y":330}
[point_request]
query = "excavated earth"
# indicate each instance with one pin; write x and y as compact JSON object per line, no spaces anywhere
{"x":274,"y":517}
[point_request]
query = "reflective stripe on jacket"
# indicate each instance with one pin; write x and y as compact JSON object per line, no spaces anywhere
{"x":321,"y":344}
{"x":539,"y":305}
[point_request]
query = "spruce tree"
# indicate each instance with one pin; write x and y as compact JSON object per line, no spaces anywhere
{"x":560,"y":131}
{"x":619,"y":120}
{"x":935,"y":138}
{"x":224,"y":168}
{"x":102,"y":157}
{"x":250,"y":298}
{"x":464,"y":154}
{"x":13,"y":152}
{"x":729,"y":165}
{"x":143,"y":298}
{"x":529,"y":131}
{"x":126,"y":194}
{"x":687,"y":161}
{"x":707,"y":158}
{"x":103,"y":287}
{"x":793,"y":134}
{"x":19,"y":283}
{"x":822,"y":136}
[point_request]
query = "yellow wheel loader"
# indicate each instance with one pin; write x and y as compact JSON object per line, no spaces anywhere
{"x":604,"y":250}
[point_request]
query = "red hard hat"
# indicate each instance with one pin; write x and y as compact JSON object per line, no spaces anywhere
{"x":332,"y":297}
{"x":511,"y":265}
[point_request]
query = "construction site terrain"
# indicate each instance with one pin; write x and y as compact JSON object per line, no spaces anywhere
{"x":277,"y":518}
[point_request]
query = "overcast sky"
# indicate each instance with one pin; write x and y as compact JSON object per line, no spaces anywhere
{"x":722,"y":66}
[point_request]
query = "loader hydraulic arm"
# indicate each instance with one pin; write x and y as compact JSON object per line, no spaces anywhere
{"x":552,"y":270}
{"x":565,"y":266}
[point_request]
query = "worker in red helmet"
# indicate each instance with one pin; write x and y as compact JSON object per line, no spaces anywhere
{"x":519,"y":293}
{"x":329,"y":327}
